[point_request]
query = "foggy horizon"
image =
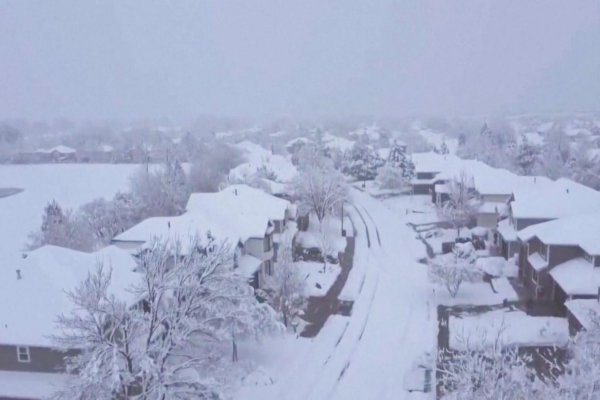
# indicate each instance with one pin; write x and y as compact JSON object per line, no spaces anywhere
{"x":134,"y":60}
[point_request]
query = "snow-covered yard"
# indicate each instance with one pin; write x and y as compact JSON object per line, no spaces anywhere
{"x":418,"y":209}
{"x":71,"y":185}
{"x":514,"y":328}
{"x":30,"y":385}
{"x":478,"y":294}
{"x":313,"y":274}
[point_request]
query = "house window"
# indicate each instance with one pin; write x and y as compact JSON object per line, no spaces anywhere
{"x":268,"y":267}
{"x":589,"y":258}
{"x":534,"y":277}
{"x":23,"y":355}
{"x":544,"y":251}
{"x":268,"y":242}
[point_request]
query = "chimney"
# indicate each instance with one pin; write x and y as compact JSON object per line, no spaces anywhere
{"x":169,"y":224}
{"x":19,"y":277}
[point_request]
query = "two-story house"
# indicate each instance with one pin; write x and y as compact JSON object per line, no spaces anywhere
{"x":247,"y":218}
{"x":33,"y":290}
{"x":539,"y":199}
{"x":559,"y":260}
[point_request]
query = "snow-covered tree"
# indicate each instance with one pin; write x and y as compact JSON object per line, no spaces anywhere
{"x":462,"y":203}
{"x":320,"y":188}
{"x":62,"y":228}
{"x":389,"y":177}
{"x":494,"y":372}
{"x":579,"y":379}
{"x":166,"y":346}
{"x":326,"y":243}
{"x":362,"y":162}
{"x":211,"y":166}
{"x":453,"y":269}
{"x":286,"y":288}
{"x":160,"y":192}
{"x":443,"y":148}
{"x":527,"y":156}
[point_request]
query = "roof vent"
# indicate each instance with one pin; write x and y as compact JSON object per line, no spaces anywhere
{"x":567,"y":190}
{"x":169,"y":224}
{"x":235,"y":191}
{"x":19,"y":277}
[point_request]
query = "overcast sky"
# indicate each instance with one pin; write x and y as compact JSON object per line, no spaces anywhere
{"x":179,"y":59}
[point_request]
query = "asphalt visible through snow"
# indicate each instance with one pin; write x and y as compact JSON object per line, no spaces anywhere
{"x":323,"y":307}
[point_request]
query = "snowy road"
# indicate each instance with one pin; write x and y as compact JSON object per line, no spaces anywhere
{"x":393,"y":321}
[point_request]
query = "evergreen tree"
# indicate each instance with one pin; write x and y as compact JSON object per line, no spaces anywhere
{"x":444,"y":148}
{"x":527,"y":155}
{"x":362,"y":162}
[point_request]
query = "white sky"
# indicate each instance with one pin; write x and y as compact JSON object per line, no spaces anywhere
{"x":179,"y":59}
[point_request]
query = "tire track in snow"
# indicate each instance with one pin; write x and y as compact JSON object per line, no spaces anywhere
{"x":374,"y":224}
{"x":365,"y":224}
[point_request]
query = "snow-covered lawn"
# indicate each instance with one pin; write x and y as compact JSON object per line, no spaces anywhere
{"x":71,"y":185}
{"x":478,"y":294}
{"x":313,"y":274}
{"x":417,"y":209}
{"x":512,"y":327}
{"x":30,"y":385}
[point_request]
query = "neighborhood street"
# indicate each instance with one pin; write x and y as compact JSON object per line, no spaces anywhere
{"x":365,"y":355}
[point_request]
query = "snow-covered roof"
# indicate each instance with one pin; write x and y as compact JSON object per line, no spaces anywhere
{"x":537,"y":262}
{"x":31,"y":385}
{"x":507,"y":230}
{"x":373,"y":132}
{"x":239,"y":200}
{"x":302,"y":139}
{"x":337,"y":142}
{"x":580,"y":230}
{"x":577,"y":277}
{"x":542,"y":198}
{"x":106,"y":148}
{"x":248,"y":265}
{"x":587,"y":311}
{"x":493,"y":207}
{"x":236,"y":213}
{"x":33,"y":302}
{"x":58,"y":149}
{"x":257,"y":157}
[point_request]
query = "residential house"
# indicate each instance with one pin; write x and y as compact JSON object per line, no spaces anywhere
{"x":34,"y":289}
{"x":539,"y":199}
{"x":559,"y":260}
{"x":58,"y":153}
{"x":247,"y":218}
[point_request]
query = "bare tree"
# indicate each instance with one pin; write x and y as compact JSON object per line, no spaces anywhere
{"x":320,"y":189}
{"x":162,"y":191}
{"x":462,"y":203}
{"x":453,"y":270}
{"x":286,"y":287}
{"x":494,"y":372}
{"x":163,"y":348}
